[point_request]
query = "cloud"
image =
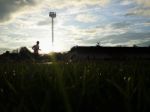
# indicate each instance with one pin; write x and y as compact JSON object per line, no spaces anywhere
{"x":90,"y":36}
{"x":126,"y":2}
{"x":121,"y":25}
{"x":146,"y":43}
{"x":65,"y":3}
{"x":147,"y":23}
{"x":142,"y":8}
{"x":44,"y":22}
{"x":143,"y":12}
{"x":128,"y":37}
{"x":143,"y":2}
{"x":8,"y":8}
{"x":2,"y":50}
{"x":86,"y":18}
{"x":139,"y":11}
{"x":118,"y":33}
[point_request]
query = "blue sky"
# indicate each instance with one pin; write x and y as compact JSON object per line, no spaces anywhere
{"x":78,"y":22}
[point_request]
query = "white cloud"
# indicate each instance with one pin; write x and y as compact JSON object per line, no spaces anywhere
{"x":35,"y":23}
{"x":9,"y":8}
{"x":78,"y":35}
{"x":66,"y":3}
{"x":139,"y":11}
{"x":86,"y":18}
{"x":147,"y":24}
{"x":143,"y":2}
{"x":143,"y":12}
{"x":142,"y":8}
{"x":126,"y":2}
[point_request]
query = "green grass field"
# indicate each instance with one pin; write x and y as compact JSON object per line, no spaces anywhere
{"x":105,"y":86}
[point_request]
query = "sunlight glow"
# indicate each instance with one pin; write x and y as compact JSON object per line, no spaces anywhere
{"x":47,"y":47}
{"x":59,"y":44}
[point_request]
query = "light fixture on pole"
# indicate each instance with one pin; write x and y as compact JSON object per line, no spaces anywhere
{"x":52,"y":15}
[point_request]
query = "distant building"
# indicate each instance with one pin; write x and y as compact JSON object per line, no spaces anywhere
{"x":102,"y":53}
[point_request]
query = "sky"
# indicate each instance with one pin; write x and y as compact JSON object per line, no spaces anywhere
{"x":78,"y":22}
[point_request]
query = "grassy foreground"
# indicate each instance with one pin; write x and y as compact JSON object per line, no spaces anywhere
{"x":106,"y":86}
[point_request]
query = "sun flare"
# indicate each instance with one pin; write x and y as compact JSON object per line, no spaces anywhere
{"x":47,"y":47}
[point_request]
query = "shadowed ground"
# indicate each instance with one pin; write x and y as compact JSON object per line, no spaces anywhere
{"x":75,"y":87}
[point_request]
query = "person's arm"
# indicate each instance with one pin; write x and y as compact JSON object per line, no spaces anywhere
{"x":39,"y":48}
{"x":33,"y":47}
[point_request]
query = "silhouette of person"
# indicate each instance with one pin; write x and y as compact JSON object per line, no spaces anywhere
{"x":98,"y":44}
{"x":36,"y":48}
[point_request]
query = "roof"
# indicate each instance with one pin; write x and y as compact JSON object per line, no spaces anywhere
{"x":110,"y":50}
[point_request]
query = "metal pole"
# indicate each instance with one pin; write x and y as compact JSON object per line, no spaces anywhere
{"x":52,"y":31}
{"x":52,"y":15}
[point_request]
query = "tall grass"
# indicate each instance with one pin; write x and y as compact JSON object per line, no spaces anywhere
{"x":75,"y":87}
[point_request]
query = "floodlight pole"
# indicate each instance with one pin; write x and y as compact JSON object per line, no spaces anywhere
{"x":52,"y":30}
{"x":52,"y":15}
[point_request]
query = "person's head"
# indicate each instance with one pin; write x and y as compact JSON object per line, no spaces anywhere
{"x":37,"y":42}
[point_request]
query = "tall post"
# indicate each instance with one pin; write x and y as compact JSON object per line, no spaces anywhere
{"x":52,"y":31}
{"x":52,"y":15}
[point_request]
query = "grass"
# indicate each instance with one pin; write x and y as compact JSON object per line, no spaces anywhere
{"x":106,"y":86}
